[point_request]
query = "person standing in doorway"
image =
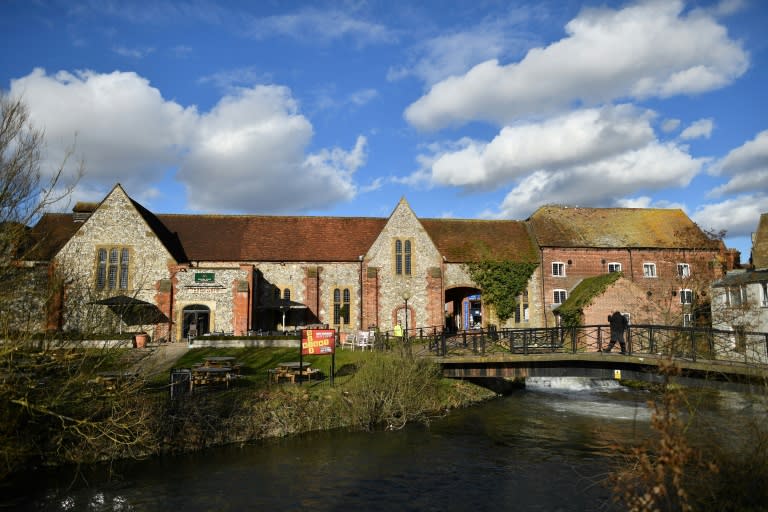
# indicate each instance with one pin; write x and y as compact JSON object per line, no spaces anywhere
{"x":618,"y":323}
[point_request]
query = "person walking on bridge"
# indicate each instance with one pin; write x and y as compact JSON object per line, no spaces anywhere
{"x":618,"y":323}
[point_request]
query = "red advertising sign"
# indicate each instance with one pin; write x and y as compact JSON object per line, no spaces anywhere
{"x":318,"y":342}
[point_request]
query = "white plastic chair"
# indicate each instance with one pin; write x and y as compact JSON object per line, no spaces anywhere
{"x":364,"y":340}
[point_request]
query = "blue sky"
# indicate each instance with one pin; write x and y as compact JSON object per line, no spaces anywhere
{"x":468,"y":109}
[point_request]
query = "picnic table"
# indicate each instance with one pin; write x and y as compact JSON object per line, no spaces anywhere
{"x":292,"y":371}
{"x":206,"y":375}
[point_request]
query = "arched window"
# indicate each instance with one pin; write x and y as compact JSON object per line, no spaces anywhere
{"x":403,"y":257}
{"x":341,"y":306}
{"x":287,"y":294}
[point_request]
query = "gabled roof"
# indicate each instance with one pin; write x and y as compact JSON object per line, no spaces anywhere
{"x":760,"y":243}
{"x":561,"y":226}
{"x":462,"y":240}
{"x":265,"y":238}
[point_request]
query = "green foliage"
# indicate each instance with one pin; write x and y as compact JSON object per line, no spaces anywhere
{"x":501,"y":281}
{"x":570,"y":311}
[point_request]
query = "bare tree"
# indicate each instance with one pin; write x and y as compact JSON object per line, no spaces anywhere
{"x":60,"y":401}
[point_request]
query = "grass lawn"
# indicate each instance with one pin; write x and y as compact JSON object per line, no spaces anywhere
{"x":256,"y":361}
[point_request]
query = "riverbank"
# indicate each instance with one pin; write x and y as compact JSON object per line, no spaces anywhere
{"x":66,"y":406}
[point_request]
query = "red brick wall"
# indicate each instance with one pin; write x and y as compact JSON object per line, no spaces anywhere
{"x":312,"y":282}
{"x":664,"y":289}
{"x":370,"y":297}
{"x":435,"y":301}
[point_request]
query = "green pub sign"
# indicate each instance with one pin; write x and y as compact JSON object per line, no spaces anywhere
{"x":205,"y":277}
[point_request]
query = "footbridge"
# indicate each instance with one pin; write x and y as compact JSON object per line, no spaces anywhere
{"x":688,"y":356}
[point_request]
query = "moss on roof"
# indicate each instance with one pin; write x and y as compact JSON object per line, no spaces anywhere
{"x":561,"y":226}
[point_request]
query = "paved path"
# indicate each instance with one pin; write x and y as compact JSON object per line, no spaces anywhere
{"x":159,"y":358}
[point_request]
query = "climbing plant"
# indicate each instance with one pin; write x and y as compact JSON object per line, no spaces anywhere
{"x":501,"y":282}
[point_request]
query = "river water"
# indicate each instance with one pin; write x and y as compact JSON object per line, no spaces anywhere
{"x":544,"y":448}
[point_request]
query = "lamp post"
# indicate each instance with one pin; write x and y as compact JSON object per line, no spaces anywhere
{"x":406,"y":296}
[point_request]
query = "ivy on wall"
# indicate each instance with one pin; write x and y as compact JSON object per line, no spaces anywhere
{"x":501,"y":282}
{"x":571,"y":310}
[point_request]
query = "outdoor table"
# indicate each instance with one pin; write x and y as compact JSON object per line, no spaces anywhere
{"x":295,"y":365}
{"x":218,"y":361}
{"x":211,"y":375}
{"x":292,"y":370}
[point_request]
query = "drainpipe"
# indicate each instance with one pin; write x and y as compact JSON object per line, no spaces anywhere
{"x":361,"y":291}
{"x":631,"y":266}
{"x":543,"y":295}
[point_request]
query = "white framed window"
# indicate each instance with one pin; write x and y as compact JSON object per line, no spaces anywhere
{"x":736,"y":296}
{"x":614,"y":267}
{"x":649,"y":270}
{"x":764,"y":295}
{"x":683,"y":270}
{"x":687,"y":319}
{"x":558,"y":269}
{"x":686,"y":296}
{"x":559,"y":296}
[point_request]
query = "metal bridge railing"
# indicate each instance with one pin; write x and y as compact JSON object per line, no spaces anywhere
{"x":683,"y":342}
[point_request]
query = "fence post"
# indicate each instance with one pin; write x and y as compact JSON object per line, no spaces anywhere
{"x":573,"y":338}
{"x":444,"y":344}
{"x":693,"y":344}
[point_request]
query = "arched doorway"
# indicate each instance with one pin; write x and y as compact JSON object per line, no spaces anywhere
{"x":195,"y":320}
{"x":463,"y":308}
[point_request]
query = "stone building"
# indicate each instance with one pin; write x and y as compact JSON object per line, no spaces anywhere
{"x":243,"y":273}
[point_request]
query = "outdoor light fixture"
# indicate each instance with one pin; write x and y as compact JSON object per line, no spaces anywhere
{"x":406,"y":296}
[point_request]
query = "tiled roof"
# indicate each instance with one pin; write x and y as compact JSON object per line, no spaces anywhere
{"x":461,"y":240}
{"x":560,"y":226}
{"x":266,"y":238}
{"x":760,"y":244}
{"x":50,"y":234}
{"x":740,"y":277}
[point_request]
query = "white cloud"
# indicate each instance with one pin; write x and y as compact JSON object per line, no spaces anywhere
{"x":133,"y":53}
{"x":249,"y":153}
{"x":363,"y":96}
{"x":605,"y":182}
{"x":228,"y":79}
{"x":649,"y":49}
{"x":739,"y":216}
{"x":647,"y":202}
{"x":582,"y":136}
{"x":321,"y":25}
{"x":747,"y":166}
{"x":121,"y":125}
{"x":453,"y":54}
{"x":670,"y":125}
{"x":698,"y":129}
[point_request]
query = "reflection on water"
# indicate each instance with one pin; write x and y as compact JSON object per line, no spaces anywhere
{"x":539,"y":449}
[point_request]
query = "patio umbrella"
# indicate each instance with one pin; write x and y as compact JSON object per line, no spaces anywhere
{"x":132,"y":311}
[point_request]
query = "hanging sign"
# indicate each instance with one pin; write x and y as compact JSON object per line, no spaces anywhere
{"x":318,"y":342}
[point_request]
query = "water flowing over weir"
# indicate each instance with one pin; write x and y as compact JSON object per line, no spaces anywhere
{"x":543,"y":448}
